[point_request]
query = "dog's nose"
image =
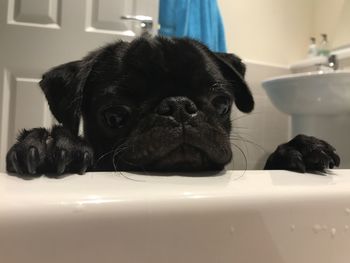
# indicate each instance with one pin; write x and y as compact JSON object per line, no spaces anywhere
{"x":180,"y":108}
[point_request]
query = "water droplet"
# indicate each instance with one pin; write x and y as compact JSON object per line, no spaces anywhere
{"x":333,"y":232}
{"x":346,"y":228}
{"x":347,"y":211}
{"x":317,"y":228}
{"x":292,"y":228}
{"x":232,"y":229}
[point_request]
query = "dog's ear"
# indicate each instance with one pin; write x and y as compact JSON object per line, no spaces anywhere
{"x":233,"y":71}
{"x":63,"y":87}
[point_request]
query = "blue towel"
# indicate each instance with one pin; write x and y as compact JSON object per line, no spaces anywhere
{"x":198,"y":19}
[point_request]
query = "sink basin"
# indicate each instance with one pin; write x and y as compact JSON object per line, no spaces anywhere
{"x":311,"y":93}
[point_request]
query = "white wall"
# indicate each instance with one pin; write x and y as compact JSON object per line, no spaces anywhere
{"x":327,"y":14}
{"x":273,"y":31}
{"x":278,"y":31}
{"x":342,"y":29}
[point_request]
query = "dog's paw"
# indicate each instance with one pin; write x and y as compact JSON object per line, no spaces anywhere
{"x":303,"y":154}
{"x":29,"y":153}
{"x":69,"y":153}
{"x":38,"y":151}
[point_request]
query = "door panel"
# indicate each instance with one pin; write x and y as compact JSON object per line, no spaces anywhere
{"x":34,"y":12}
{"x":36,"y":35}
{"x":26,"y":105}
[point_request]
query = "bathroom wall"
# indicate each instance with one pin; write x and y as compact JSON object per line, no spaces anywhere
{"x":273,"y":31}
{"x":333,"y":18}
{"x":327,"y":14}
{"x":342,"y":32}
{"x":278,"y":31}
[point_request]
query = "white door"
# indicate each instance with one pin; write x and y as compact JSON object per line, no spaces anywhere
{"x":38,"y":34}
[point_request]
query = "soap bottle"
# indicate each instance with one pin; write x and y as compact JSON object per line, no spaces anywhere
{"x":324,"y":46}
{"x":313,"y":52}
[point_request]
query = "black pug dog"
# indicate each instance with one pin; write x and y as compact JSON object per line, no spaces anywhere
{"x":154,"y":104}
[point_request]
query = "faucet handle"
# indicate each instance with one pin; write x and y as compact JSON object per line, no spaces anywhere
{"x":146,"y":22}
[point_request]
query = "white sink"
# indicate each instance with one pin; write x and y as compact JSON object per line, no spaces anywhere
{"x":252,"y":216}
{"x":319,"y":105}
{"x":311,"y":93}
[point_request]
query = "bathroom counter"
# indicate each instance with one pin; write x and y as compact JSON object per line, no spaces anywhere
{"x":237,"y":216}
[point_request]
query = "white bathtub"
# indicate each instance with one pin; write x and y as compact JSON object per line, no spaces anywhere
{"x":256,"y":216}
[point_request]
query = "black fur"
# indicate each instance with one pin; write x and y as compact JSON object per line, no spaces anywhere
{"x":154,"y":104}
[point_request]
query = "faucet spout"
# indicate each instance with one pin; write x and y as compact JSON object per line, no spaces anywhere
{"x":333,"y":62}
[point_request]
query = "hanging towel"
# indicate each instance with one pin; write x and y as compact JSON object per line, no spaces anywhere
{"x":198,"y":19}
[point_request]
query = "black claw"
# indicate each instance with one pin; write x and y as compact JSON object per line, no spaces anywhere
{"x":32,"y":160}
{"x":336,"y":159}
{"x":61,"y":161}
{"x":14,"y":162}
{"x":86,"y":163}
{"x":297,"y":164}
{"x":301,"y":167}
{"x":82,"y":170}
{"x":324,"y":161}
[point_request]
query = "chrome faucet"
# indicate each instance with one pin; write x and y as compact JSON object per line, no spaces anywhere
{"x":333,"y":62}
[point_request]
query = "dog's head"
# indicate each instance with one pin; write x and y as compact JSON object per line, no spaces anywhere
{"x":155,"y":104}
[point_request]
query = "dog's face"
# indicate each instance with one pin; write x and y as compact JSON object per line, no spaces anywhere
{"x":154,"y":104}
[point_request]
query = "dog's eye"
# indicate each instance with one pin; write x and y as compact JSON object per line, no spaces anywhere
{"x":116,"y":117}
{"x":222,"y":105}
